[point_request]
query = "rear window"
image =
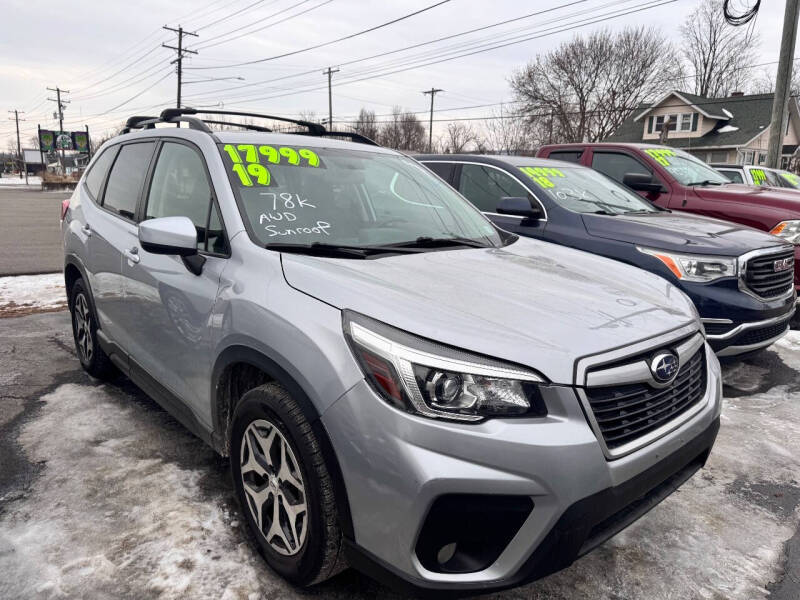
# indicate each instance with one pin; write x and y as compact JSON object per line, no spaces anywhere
{"x":97,"y":173}
{"x":584,"y":190}
{"x":567,"y":155}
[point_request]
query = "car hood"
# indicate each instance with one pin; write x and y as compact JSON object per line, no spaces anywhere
{"x":680,"y":233}
{"x":531,"y":303}
{"x":781,"y":201}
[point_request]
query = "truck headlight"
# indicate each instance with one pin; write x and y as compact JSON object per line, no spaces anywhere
{"x":788,"y":230}
{"x":433,"y":380}
{"x":695,"y":267}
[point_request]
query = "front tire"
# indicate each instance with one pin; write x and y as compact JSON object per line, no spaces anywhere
{"x":84,"y":330}
{"x":283,"y":487}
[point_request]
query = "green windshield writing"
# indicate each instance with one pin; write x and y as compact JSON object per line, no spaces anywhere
{"x":759,"y":177}
{"x":791,"y":178}
{"x":542,"y":175}
{"x":247,"y":161}
{"x":660,"y":155}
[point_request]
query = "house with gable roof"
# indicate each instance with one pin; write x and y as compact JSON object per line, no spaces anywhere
{"x":734,"y":129}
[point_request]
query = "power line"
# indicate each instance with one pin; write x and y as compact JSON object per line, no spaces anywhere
{"x":61,"y":105}
{"x":330,"y":42}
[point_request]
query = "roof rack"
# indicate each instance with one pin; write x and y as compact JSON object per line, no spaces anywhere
{"x":175,"y":115}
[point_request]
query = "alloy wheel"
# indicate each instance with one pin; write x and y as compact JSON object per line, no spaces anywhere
{"x":83,"y":328}
{"x":274,"y":487}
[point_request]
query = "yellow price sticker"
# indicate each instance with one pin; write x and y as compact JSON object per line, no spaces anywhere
{"x":542,"y":175}
{"x":759,"y":177}
{"x":793,"y":179}
{"x":660,"y":155}
{"x":246,"y":159}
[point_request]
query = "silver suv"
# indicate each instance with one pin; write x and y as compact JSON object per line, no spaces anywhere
{"x":401,"y":386}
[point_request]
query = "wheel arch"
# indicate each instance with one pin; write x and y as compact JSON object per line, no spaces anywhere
{"x":243,"y":361}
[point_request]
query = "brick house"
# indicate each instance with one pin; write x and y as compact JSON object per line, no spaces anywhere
{"x":734,"y":129}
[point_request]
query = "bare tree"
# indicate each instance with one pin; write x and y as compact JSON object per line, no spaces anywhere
{"x":718,"y":53}
{"x":456,"y":138}
{"x":366,"y":124}
{"x":507,"y":132}
{"x":584,"y":89}
{"x":403,"y":131}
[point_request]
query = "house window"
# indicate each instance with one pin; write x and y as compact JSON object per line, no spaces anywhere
{"x":748,"y":157}
{"x":686,"y":122}
{"x":673,"y":120}
{"x":762,"y":158}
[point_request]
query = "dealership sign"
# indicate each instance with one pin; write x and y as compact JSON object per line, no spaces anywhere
{"x":63,"y":140}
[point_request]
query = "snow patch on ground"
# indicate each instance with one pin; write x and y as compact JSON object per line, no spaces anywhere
{"x":15,"y":181}
{"x":110,"y":517}
{"x":26,"y":294}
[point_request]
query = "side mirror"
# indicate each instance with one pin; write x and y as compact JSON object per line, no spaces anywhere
{"x":641,"y":182}
{"x":169,"y":235}
{"x":518,"y":207}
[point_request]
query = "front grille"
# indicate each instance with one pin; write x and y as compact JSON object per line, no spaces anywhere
{"x":756,"y":336}
{"x":628,"y":412}
{"x":762,"y":278}
{"x":718,"y":328}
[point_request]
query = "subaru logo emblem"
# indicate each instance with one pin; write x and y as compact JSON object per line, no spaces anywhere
{"x":664,"y":367}
{"x":783,"y":264}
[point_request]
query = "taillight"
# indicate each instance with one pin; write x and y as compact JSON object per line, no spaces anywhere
{"x":64,"y":208}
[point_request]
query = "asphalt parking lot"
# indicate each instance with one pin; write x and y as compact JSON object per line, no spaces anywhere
{"x":103,"y":494}
{"x":30,"y":241}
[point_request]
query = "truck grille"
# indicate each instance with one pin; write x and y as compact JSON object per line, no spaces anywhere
{"x":756,"y":336}
{"x":763,"y":280}
{"x":628,"y":412}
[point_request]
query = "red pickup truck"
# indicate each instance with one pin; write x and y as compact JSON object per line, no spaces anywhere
{"x":676,"y":180}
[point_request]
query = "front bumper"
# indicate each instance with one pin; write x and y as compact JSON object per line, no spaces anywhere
{"x":395,"y":466}
{"x":736,"y":322}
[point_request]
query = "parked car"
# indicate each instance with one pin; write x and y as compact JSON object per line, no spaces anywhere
{"x":674,"y":179}
{"x":758,"y":175}
{"x":400,"y":385}
{"x":572,"y":205}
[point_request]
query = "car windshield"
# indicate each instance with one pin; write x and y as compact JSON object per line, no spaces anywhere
{"x":765,"y":177}
{"x":348,"y":198}
{"x":584,"y":190}
{"x":789,"y":179}
{"x":684,"y":167}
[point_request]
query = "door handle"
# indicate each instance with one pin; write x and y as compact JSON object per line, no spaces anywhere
{"x":87,"y":230}
{"x":132,"y":254}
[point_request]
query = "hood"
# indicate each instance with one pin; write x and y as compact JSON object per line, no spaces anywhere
{"x":531,"y":303}
{"x":680,"y":232}
{"x":782,"y":203}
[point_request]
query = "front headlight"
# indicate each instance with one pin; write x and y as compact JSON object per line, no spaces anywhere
{"x":695,"y":267}
{"x":433,"y":380}
{"x":788,"y":230}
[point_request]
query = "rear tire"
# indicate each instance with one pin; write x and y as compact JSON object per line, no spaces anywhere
{"x":84,"y":330}
{"x":279,"y":474}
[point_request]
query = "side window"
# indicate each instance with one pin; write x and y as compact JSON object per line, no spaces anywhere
{"x":180,"y":188}
{"x":442,"y":169}
{"x":734,"y":176}
{"x":126,"y":178}
{"x":616,"y":165}
{"x":568,"y":155}
{"x":484,"y":186}
{"x":96,"y":175}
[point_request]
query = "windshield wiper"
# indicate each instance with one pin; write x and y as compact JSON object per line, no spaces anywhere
{"x":337,"y":250}
{"x":432,"y":242}
{"x":705,"y":182}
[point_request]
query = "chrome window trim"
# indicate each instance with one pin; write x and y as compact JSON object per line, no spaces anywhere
{"x":745,"y":326}
{"x":502,"y":170}
{"x":745,"y":258}
{"x":655,"y":343}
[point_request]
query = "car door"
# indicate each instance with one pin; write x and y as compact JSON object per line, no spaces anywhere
{"x":169,"y":307}
{"x":616,"y":164}
{"x":110,"y":226}
{"x":485,"y":185}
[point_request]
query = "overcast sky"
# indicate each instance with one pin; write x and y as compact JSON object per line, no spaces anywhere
{"x":108,"y":53}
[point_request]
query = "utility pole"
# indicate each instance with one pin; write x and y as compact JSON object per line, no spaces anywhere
{"x":780,"y":103}
{"x":19,"y":148}
{"x":61,"y":106}
{"x":330,"y":72}
{"x":432,"y":92}
{"x":179,"y":60}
